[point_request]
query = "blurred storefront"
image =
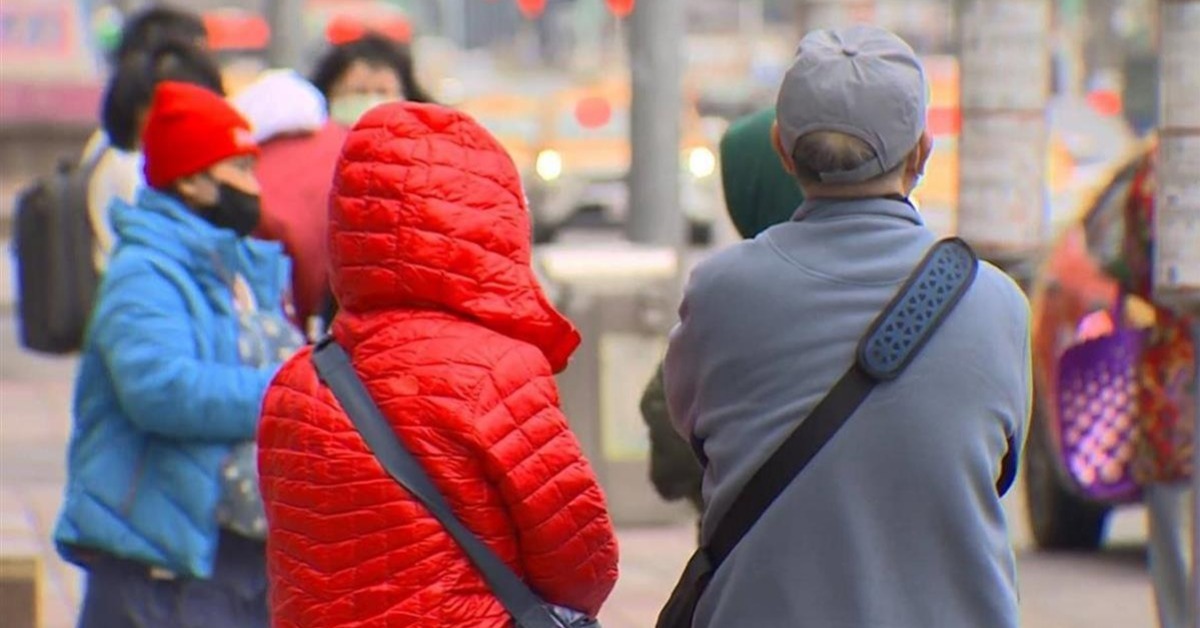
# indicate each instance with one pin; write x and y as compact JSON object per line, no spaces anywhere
{"x":50,"y":87}
{"x":50,"y":69}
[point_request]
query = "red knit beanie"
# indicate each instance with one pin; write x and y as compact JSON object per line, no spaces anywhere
{"x":189,"y":129}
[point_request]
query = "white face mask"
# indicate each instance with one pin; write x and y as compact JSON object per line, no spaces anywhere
{"x":346,"y":110}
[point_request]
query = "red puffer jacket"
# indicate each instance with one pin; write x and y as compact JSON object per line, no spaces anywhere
{"x":445,"y":323}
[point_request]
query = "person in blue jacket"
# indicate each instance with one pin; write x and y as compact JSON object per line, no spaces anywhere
{"x":161,"y":504}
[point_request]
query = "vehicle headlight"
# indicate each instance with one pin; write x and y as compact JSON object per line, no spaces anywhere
{"x":702,"y":162}
{"x":549,"y":165}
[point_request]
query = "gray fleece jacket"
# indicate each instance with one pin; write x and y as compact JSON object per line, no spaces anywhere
{"x":896,"y":523}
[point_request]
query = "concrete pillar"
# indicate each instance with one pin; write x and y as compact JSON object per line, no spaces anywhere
{"x":656,"y":59}
{"x":1177,"y":202}
{"x":454,"y":20}
{"x":1177,"y":250}
{"x":1005,"y":85}
{"x":287,"y":33}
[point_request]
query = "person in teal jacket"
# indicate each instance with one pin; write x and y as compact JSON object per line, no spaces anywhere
{"x":187,"y":332}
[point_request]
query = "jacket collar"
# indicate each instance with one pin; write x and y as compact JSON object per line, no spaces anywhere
{"x":896,"y":207}
{"x":162,"y":223}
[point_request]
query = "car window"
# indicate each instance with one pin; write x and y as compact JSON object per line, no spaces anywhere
{"x":1105,"y":221}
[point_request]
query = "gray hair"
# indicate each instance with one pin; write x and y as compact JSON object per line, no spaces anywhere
{"x":832,"y":151}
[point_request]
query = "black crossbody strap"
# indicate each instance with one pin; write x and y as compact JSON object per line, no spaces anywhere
{"x":891,"y":343}
{"x":336,"y":370}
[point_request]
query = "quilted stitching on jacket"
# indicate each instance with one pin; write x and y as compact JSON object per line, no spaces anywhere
{"x":444,"y":321}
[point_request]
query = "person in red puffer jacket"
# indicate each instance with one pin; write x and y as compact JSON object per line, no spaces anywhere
{"x":445,"y":323}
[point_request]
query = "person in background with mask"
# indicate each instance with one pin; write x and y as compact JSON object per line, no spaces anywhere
{"x":300,"y":148}
{"x":360,"y":74}
{"x":117,"y":157}
{"x":355,"y":76}
{"x":187,"y":333}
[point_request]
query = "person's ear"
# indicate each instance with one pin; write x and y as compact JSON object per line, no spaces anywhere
{"x":784,"y":156}
{"x":920,"y":155}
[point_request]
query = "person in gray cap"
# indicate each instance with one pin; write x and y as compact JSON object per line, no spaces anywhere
{"x":897,"y":521}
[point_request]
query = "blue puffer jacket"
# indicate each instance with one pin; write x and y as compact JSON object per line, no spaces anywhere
{"x":161,"y":396}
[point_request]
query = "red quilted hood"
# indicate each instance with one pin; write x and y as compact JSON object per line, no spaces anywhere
{"x":428,"y":212}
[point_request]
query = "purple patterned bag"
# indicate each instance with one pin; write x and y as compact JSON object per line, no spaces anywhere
{"x":1097,"y":402}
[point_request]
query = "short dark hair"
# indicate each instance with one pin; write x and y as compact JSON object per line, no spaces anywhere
{"x":149,"y":28}
{"x":131,"y":87}
{"x":830,"y":151}
{"x":373,"y":49}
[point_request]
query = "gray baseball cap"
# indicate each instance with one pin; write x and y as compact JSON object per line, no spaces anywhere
{"x":863,"y":81}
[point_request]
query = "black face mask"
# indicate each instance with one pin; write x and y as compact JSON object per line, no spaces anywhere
{"x":234,"y":210}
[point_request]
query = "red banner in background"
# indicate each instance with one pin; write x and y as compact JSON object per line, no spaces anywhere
{"x":48,"y":71}
{"x":49,"y":103}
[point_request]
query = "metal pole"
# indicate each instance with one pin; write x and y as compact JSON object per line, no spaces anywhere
{"x":1005,"y":85}
{"x":656,"y":59}
{"x":287,"y":33}
{"x":1177,"y":201}
{"x":454,"y":21}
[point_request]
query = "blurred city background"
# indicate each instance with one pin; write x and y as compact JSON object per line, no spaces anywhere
{"x":556,"y":87}
{"x":552,"y":80}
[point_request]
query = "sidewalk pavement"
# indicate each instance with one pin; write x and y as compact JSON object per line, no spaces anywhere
{"x":34,"y":419}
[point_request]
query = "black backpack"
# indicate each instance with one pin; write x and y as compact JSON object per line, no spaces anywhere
{"x":54,"y":247}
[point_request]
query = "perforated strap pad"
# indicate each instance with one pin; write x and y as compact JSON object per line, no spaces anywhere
{"x":895,"y":338}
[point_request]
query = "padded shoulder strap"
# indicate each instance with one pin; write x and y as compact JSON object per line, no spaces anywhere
{"x":890,"y":345}
{"x":910,"y":320}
